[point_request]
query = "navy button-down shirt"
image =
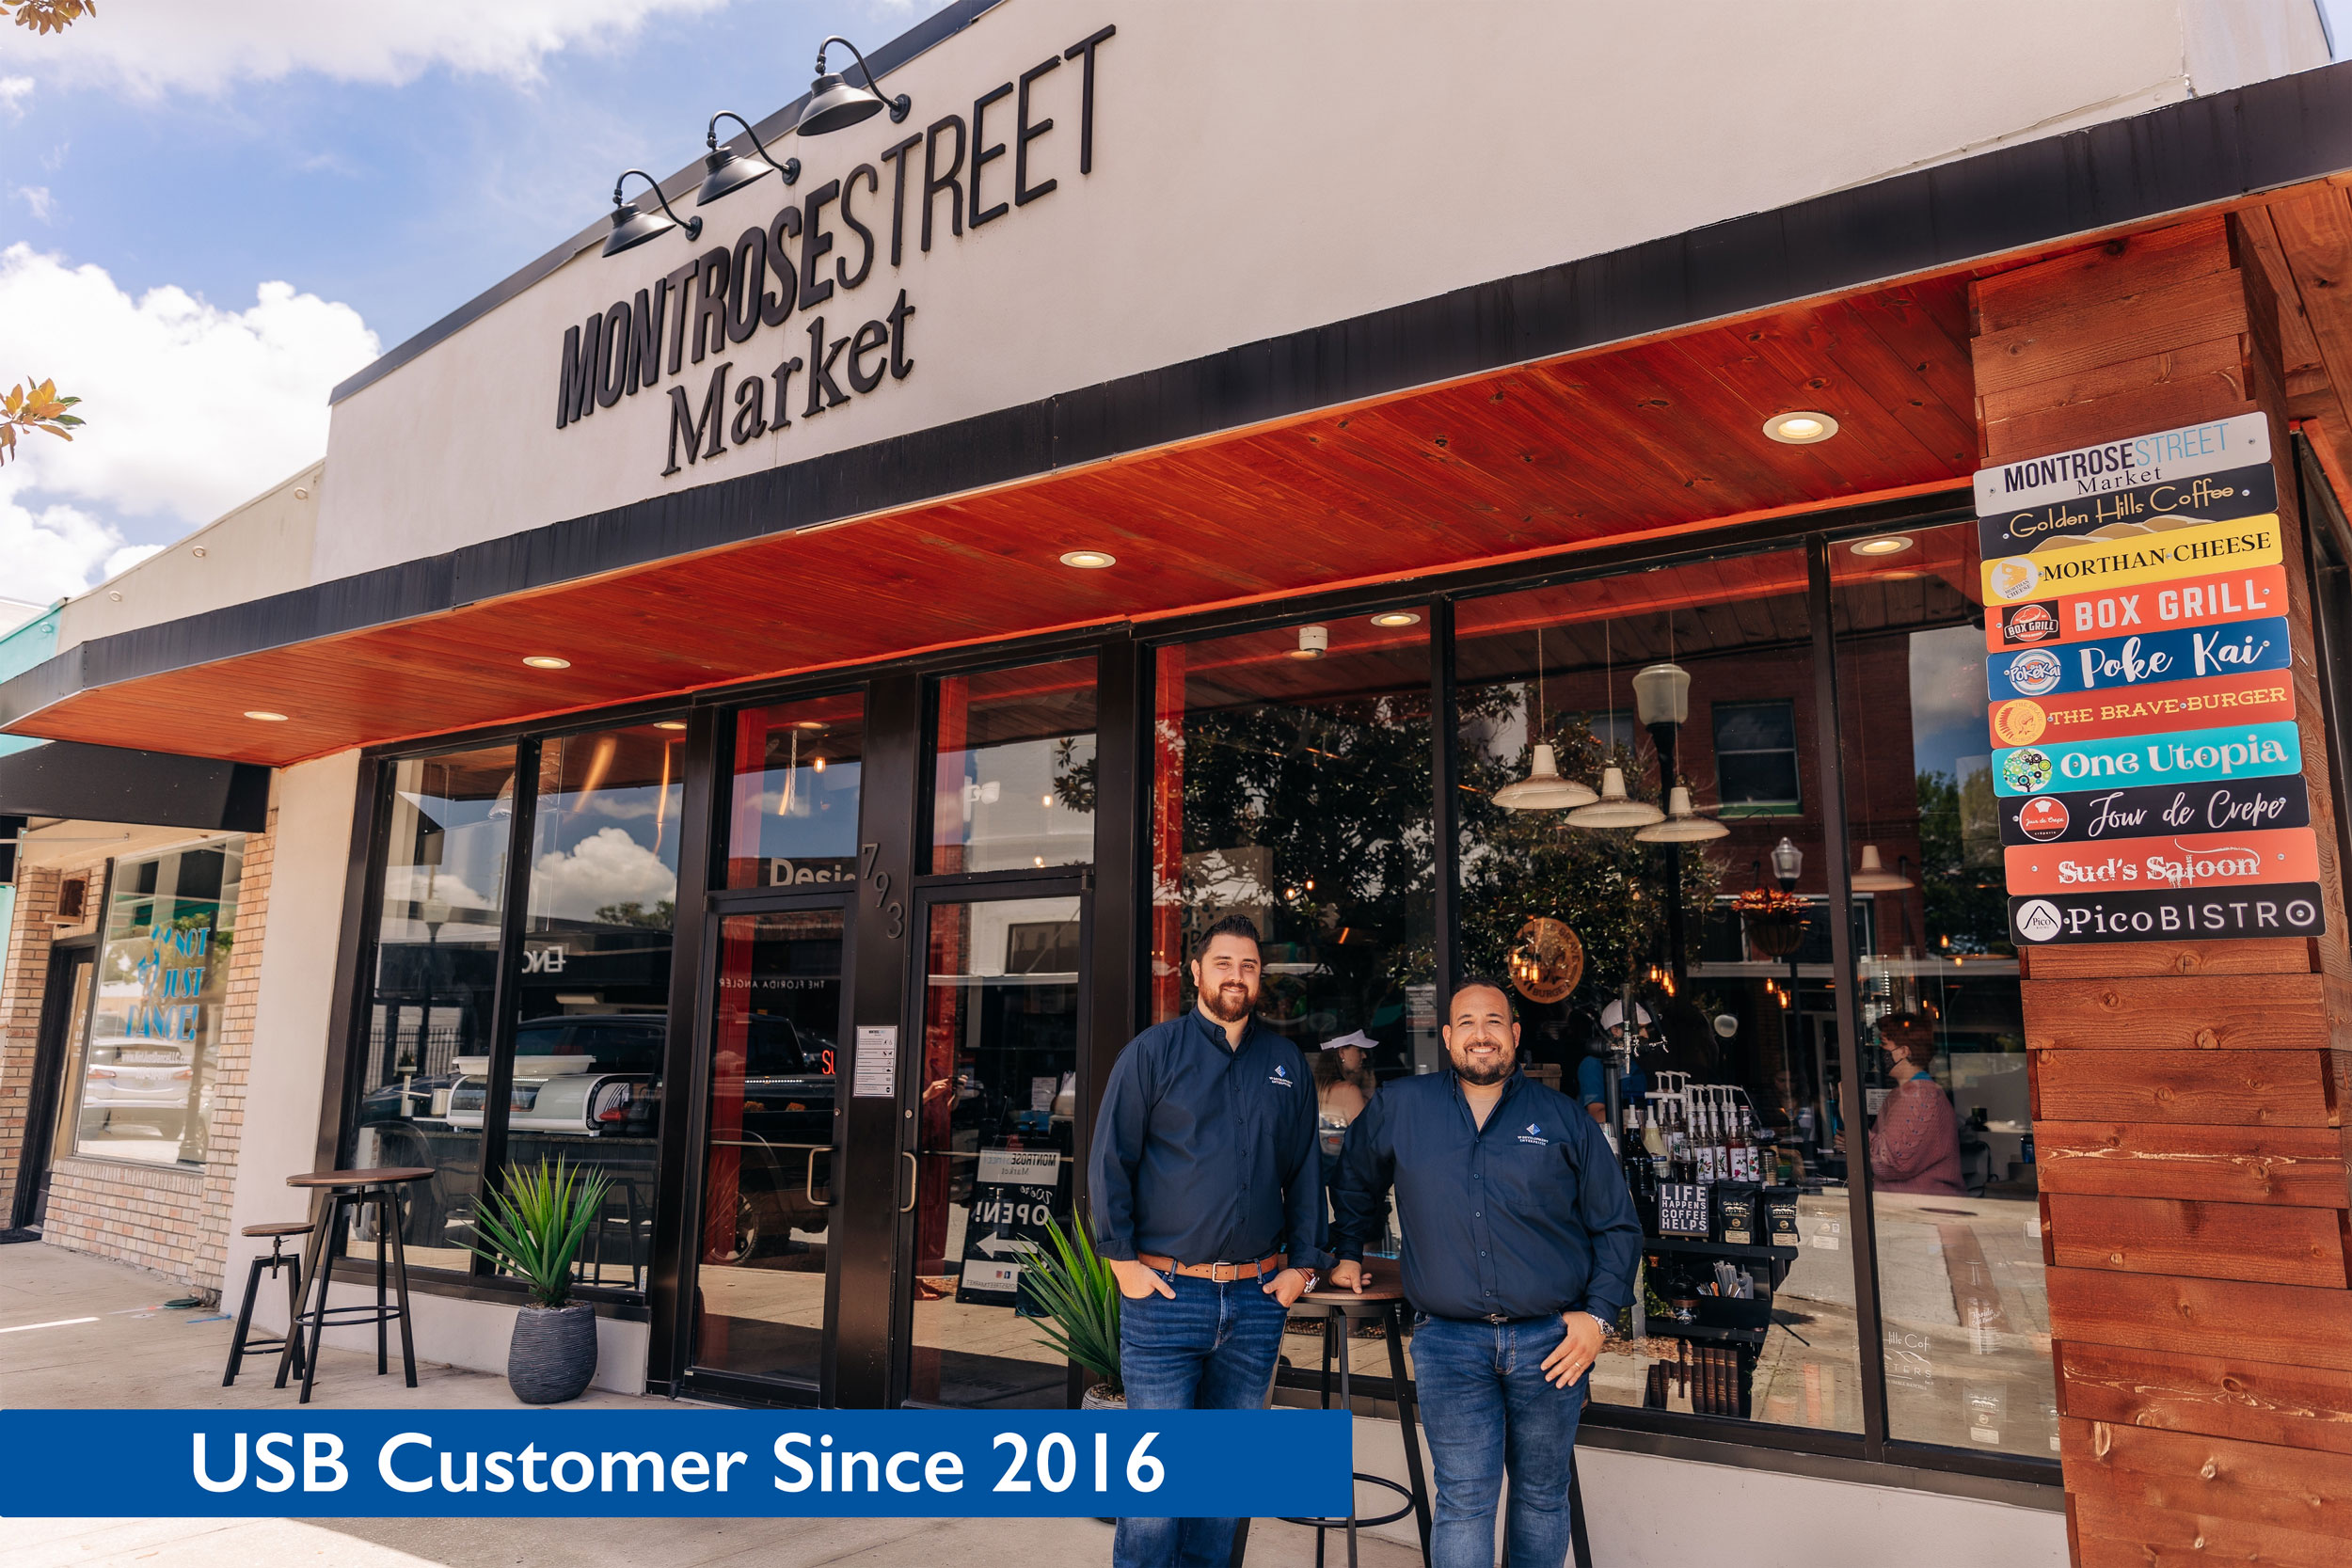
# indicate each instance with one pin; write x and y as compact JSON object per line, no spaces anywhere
{"x":1205,"y":1153}
{"x":1524,"y":1217}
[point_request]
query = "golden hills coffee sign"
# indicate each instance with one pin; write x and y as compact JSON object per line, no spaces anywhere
{"x":2142,"y":706}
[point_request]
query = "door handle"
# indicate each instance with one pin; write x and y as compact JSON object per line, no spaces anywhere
{"x":915,"y":1179}
{"x":808,"y":1182}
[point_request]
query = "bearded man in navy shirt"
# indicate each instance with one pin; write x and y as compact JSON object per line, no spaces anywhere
{"x":1519,"y":1246}
{"x":1208,"y":1204}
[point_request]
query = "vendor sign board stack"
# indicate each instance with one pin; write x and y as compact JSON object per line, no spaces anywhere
{"x":2146,"y":760}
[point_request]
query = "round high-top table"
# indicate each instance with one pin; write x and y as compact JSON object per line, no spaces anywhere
{"x":1382,"y":1302}
{"x":354,"y":1192}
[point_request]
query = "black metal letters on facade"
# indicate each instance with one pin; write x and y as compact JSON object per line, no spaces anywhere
{"x":720,"y":302}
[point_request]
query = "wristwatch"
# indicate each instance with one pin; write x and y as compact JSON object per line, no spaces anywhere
{"x":1311,"y":1277}
{"x":1607,"y":1328}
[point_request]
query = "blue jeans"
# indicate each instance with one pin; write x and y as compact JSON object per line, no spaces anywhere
{"x":1488,"y":1409}
{"x":1212,"y":1348}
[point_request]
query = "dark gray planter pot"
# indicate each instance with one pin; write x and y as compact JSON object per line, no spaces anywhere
{"x":553,"y":1353}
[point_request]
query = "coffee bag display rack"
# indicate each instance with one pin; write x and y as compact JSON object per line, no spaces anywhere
{"x":1719,"y":1232}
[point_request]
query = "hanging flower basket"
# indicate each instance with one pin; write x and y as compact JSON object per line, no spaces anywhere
{"x":1775,"y":922}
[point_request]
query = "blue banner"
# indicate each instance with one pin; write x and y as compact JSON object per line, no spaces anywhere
{"x":2147,"y":659}
{"x":664,"y":1461}
{"x":2182,"y":757}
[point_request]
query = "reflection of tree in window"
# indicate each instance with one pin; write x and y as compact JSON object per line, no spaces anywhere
{"x":1337,"y":794}
{"x":1967,"y":905}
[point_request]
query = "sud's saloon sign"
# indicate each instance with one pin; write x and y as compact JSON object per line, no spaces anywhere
{"x":813,"y":256}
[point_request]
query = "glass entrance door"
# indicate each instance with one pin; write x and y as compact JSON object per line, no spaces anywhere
{"x":64,"y":1024}
{"x":761,"y":1262}
{"x":997,"y":1098}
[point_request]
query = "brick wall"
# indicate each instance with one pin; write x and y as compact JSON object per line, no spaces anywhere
{"x":23,"y":973}
{"x":173,"y":1219}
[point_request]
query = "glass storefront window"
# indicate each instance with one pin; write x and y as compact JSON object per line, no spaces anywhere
{"x":430,"y":1024}
{"x":148,"y":1069}
{"x":1297,"y":790}
{"x":1946,"y":1091}
{"x":793,"y":793}
{"x":595,"y":981}
{"x":999,"y":1103}
{"x":1013,"y":781}
{"x":1601,"y":912}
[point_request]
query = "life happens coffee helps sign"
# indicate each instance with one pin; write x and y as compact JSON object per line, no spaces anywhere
{"x":2145,"y":755}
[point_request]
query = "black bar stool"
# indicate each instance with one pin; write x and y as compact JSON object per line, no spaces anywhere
{"x":1383,"y":1304}
{"x":355,"y":1191}
{"x":239,"y":1345}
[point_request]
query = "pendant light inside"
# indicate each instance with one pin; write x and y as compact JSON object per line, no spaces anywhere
{"x":1874,"y":876}
{"x":1615,"y":808}
{"x":1683,"y":825}
{"x":1544,"y":789}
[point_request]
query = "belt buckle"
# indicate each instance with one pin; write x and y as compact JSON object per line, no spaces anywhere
{"x":1496,"y":1318}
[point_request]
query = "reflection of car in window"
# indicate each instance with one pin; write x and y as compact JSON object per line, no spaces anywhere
{"x":136,"y":1086}
{"x":589,"y":1089}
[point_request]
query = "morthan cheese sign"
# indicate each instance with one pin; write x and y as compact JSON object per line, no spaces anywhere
{"x":2146,"y":759}
{"x":700,"y":326}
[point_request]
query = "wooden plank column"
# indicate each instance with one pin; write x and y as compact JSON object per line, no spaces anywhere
{"x":2187,"y":1095}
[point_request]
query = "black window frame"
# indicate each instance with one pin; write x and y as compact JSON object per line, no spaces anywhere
{"x":1793,"y":805}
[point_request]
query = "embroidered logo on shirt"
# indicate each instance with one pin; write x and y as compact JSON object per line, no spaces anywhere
{"x":1535,"y":1134}
{"x":1281,"y":1075}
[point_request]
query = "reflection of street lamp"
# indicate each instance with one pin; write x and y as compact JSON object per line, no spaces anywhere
{"x":434,"y":910}
{"x":1662,"y":700}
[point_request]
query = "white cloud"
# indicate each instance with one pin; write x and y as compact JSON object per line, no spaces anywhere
{"x":151,"y":46}
{"x":191,"y":408}
{"x":14,"y":90}
{"x":606,"y":868}
{"x":36,"y":197}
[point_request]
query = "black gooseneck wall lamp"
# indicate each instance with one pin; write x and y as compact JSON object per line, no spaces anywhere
{"x":632,"y":227}
{"x":723,"y":171}
{"x":834,"y":104}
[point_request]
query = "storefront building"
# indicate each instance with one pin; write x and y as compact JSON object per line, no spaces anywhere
{"x":771,"y":710}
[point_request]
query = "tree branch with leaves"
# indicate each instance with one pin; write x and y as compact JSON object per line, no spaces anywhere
{"x":48,"y":16}
{"x":40,"y":408}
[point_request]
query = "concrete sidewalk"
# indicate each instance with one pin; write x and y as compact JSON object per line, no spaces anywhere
{"x":81,"y":1332}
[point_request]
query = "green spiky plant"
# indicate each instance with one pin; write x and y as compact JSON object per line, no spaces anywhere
{"x":535,"y":1225}
{"x":1078,"y":1294}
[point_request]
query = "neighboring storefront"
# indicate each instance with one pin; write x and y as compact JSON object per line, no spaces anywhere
{"x":790,"y":803}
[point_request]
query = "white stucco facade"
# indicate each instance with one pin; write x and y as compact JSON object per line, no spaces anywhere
{"x":1259,"y":169}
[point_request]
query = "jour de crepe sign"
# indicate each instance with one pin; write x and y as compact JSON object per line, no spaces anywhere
{"x":2147,"y":761}
{"x":814,"y":255}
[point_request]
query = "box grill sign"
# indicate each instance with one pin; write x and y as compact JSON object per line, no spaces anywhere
{"x":911,"y":191}
{"x":2150,"y":561}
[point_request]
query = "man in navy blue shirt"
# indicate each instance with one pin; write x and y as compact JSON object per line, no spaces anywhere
{"x":1208,"y":1204}
{"x":1519,"y":1247}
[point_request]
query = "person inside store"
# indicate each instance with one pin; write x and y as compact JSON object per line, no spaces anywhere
{"x":1591,"y":1069}
{"x":1914,"y":1146}
{"x":1520,"y":1242}
{"x":1208,"y":1206}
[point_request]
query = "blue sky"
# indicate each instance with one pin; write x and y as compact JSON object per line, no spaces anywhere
{"x":386,"y":162}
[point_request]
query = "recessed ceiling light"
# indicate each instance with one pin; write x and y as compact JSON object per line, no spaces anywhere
{"x":1395,"y":618}
{"x":1089,"y":560}
{"x":808,"y":725}
{"x":669,"y":723}
{"x":265,"y":716}
{"x":546,"y":662}
{"x":1800,"y":428}
{"x":1892,"y":544}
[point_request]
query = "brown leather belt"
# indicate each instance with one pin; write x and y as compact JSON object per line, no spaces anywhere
{"x":1223,"y":1273}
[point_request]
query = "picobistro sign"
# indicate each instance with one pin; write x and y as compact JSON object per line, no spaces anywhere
{"x":2146,"y":757}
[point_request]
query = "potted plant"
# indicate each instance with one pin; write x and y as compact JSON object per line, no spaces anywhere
{"x":1077,"y":1296}
{"x":534,"y":1226}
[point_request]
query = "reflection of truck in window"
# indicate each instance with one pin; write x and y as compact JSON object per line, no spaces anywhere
{"x":588,"y":1088}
